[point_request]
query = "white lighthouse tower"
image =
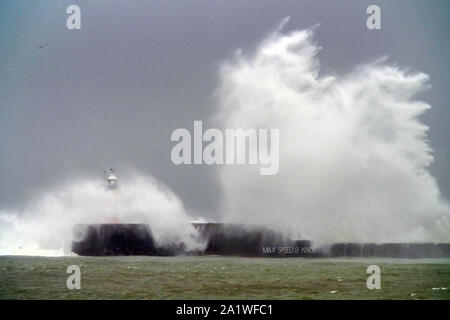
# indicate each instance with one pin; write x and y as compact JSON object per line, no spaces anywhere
{"x":111,"y":179}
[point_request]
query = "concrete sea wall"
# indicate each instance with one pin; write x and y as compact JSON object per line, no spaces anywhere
{"x":236,"y":240}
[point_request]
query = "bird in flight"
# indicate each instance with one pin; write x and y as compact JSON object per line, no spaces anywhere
{"x":40,"y":46}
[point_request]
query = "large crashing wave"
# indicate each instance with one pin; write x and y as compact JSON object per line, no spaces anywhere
{"x":45,"y":227}
{"x":353,"y":152}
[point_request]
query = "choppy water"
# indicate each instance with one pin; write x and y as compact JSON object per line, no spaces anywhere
{"x":221,"y":278}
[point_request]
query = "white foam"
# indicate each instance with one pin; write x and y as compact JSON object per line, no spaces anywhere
{"x":354,"y":155}
{"x":45,"y":228}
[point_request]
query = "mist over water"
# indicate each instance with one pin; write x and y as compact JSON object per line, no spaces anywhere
{"x":354,"y":154}
{"x":46,"y":227}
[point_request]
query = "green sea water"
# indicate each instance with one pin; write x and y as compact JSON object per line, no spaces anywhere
{"x":211,"y":277}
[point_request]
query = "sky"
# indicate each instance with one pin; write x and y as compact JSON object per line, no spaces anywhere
{"x":110,"y":94}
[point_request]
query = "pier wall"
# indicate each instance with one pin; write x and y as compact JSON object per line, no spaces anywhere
{"x":236,"y":240}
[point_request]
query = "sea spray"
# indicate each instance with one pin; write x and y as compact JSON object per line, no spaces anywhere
{"x":354,"y":155}
{"x":46,"y":227}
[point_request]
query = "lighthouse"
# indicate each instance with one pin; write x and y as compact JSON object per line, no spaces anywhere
{"x":111,"y":179}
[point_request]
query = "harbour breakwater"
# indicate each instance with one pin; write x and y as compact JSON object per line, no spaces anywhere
{"x":235,"y":240}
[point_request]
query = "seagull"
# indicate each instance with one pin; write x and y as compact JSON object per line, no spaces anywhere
{"x":40,"y":46}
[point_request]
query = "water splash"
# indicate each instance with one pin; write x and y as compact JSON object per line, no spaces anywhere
{"x":353,"y":153}
{"x":45,"y":228}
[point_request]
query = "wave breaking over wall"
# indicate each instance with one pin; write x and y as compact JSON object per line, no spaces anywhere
{"x":45,"y":228}
{"x":354,"y":154}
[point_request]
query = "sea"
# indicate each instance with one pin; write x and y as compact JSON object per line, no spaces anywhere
{"x":218,"y":277}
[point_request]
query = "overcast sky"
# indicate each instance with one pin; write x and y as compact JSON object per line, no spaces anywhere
{"x":111,"y":93}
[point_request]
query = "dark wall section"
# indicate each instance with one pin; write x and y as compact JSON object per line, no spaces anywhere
{"x":117,"y":240}
{"x":389,"y":250}
{"x":113,"y":239}
{"x":236,"y":240}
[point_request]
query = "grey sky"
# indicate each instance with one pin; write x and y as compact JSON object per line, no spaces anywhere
{"x":111,"y":93}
